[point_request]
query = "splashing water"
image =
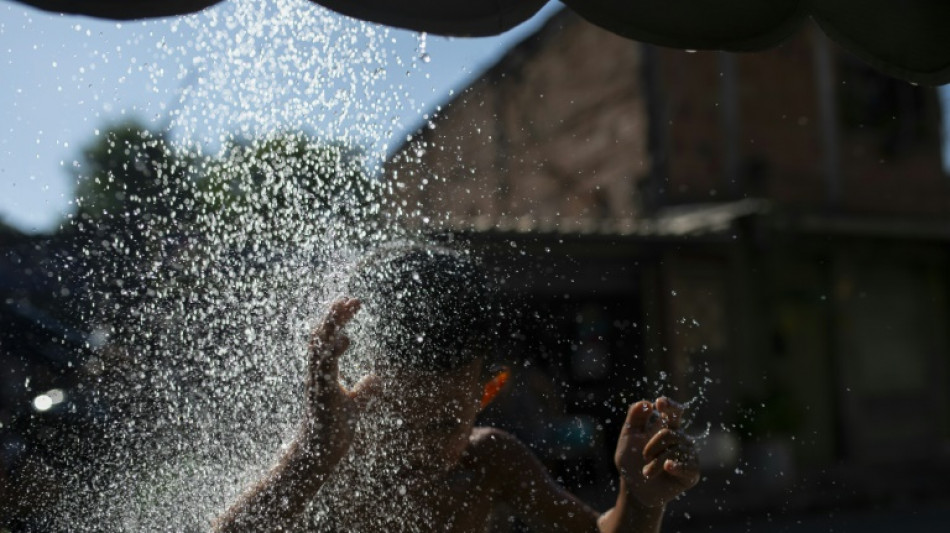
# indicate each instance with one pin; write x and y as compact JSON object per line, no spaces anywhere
{"x":264,"y":66}
{"x":210,"y":278}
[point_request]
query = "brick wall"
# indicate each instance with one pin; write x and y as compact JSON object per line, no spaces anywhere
{"x":554,"y":132}
{"x":557,"y":133}
{"x":779,"y":141}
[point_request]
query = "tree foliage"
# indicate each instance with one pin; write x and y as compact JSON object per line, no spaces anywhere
{"x":131,"y":178}
{"x":134,"y":181}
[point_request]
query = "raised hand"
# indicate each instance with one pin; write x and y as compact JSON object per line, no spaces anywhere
{"x":274,"y":503}
{"x":331,"y":409}
{"x":656,"y":459}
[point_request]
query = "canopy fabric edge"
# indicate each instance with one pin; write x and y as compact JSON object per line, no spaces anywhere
{"x":498,"y":20}
{"x":939,"y":76}
{"x":121,"y":9}
{"x":492,"y":18}
{"x":766,"y":38}
{"x":476,"y":22}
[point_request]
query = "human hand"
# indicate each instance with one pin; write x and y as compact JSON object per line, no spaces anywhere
{"x":331,"y":409}
{"x":657,"y":461}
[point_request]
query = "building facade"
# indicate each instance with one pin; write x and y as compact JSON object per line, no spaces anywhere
{"x":763,"y":233}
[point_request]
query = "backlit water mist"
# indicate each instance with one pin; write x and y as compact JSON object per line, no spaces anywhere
{"x":212,"y":269}
{"x":212,"y":245}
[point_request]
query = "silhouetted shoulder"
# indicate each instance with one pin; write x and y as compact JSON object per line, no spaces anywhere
{"x":500,"y":457}
{"x":519,"y":480}
{"x":489,"y":440}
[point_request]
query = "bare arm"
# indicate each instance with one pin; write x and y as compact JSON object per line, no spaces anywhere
{"x":628,"y":514}
{"x":547,"y":506}
{"x":655,"y":467}
{"x":275,"y":502}
{"x":522,"y":482}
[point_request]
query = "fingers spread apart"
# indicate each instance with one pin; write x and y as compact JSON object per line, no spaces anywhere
{"x":341,"y":311}
{"x":327,"y":343}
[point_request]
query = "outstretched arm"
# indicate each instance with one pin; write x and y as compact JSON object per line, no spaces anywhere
{"x":323,"y":438}
{"x":655,"y":460}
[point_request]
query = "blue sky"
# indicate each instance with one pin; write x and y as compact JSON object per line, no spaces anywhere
{"x":65,"y":77}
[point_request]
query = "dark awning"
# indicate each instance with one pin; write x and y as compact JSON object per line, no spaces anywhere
{"x":908,"y":39}
{"x":122,"y":9}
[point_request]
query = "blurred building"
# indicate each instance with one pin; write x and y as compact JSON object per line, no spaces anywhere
{"x":765,"y":232}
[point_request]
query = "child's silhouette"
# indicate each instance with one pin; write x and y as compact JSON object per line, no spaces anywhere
{"x":430,"y":322}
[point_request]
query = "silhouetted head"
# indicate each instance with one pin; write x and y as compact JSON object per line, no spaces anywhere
{"x":428,"y":308}
{"x":430,"y":319}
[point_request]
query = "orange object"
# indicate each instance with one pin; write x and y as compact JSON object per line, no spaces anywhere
{"x":494,"y":386}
